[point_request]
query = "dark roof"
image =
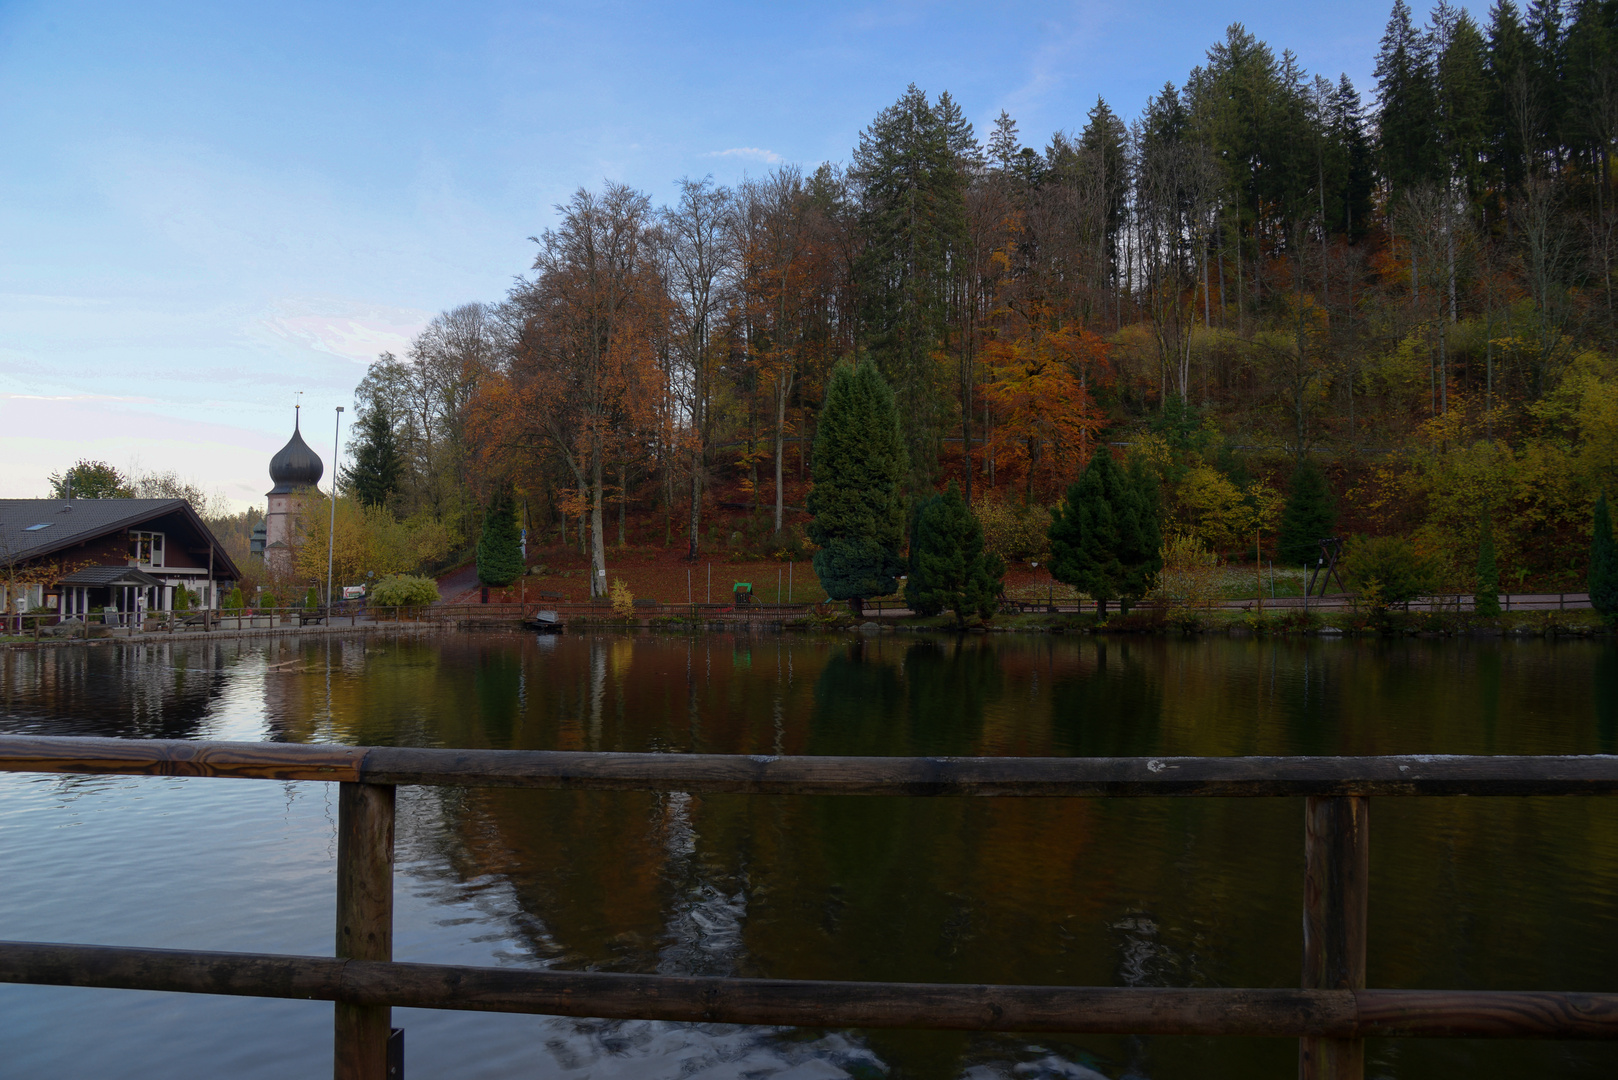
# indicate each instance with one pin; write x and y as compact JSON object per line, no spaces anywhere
{"x":68,"y":524}
{"x":102,"y":576}
{"x":295,"y":466}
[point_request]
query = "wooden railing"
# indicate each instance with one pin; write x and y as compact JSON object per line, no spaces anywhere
{"x":1330,"y":1014}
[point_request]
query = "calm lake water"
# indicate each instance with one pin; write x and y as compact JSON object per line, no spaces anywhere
{"x":1465,"y":893}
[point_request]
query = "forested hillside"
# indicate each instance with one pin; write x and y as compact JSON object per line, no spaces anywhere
{"x":1412,"y":287}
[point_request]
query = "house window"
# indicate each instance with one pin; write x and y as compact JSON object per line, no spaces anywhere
{"x":146,"y":548}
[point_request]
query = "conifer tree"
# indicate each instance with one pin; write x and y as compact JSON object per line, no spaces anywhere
{"x":1603,"y":563}
{"x":857,"y":500}
{"x":1105,"y":537}
{"x":948,"y":566}
{"x":913,"y":166}
{"x":1308,"y":516}
{"x":500,"y":546}
{"x":374,"y":475}
{"x":1486,"y":601}
{"x":1404,"y":80}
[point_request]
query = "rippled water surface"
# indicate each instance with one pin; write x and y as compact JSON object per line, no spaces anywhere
{"x":1466,"y":893}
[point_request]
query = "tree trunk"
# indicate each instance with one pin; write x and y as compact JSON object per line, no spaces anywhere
{"x":598,"y":548}
{"x":696,"y":502}
{"x":780,"y":449}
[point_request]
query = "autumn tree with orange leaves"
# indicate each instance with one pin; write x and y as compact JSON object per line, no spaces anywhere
{"x":583,"y":385}
{"x":1037,"y":385}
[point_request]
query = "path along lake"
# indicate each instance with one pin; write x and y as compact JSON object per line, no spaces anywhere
{"x":1466,"y":893}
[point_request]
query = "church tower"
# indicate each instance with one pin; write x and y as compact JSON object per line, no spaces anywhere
{"x":295,"y":470}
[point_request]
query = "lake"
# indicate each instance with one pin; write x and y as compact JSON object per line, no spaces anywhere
{"x":1466,"y":893}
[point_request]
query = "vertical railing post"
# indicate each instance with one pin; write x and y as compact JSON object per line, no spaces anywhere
{"x":364,"y":922}
{"x":1336,"y":850}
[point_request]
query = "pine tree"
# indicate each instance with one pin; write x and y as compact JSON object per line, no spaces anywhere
{"x":1308,"y":516}
{"x":1486,"y":601}
{"x":948,"y":566}
{"x":857,"y":500}
{"x":1462,"y":99}
{"x":1404,"y":80}
{"x":1513,"y":107}
{"x":1603,"y":563}
{"x":500,"y":546}
{"x":374,"y":476}
{"x":1105,"y":537}
{"x":1350,"y":212}
{"x":912,"y":166}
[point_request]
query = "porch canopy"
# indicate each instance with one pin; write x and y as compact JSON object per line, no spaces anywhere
{"x":112,"y":577}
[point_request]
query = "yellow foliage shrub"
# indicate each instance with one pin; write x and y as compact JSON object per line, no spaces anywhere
{"x":1191,"y":573}
{"x":623,"y":601}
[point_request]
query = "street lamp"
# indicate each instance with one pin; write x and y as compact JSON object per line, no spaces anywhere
{"x":331,"y":535}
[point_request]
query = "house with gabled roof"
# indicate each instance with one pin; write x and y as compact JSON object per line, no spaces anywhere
{"x":128,"y":555}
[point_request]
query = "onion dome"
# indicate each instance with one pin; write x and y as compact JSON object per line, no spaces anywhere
{"x":295,"y":467}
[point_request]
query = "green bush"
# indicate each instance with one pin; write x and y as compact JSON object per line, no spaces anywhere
{"x":234,"y":600}
{"x":948,"y":566}
{"x":182,"y":599}
{"x":311,"y":599}
{"x":500,"y":546}
{"x":1105,"y":537}
{"x":1389,"y":570}
{"x":404,"y":590}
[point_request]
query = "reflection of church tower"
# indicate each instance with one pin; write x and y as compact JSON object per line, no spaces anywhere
{"x":295,"y":470}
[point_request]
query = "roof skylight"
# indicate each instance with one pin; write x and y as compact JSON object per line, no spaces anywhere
{"x":41,"y":525}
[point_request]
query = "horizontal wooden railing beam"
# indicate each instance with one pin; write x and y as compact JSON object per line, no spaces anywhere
{"x":1595,"y":774}
{"x":804,"y":1003}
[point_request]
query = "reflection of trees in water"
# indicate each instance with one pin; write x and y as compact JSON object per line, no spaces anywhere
{"x":1037,"y":890}
{"x":163,"y":691}
{"x":858,"y":700}
{"x":497,"y":688}
{"x":949,"y":682}
{"x":1606,"y":699}
{"x":1109,"y":707}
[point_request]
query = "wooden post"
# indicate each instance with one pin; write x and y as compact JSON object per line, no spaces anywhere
{"x":364,"y":922}
{"x":1336,"y":850}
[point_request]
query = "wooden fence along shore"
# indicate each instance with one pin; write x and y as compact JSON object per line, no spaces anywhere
{"x":267,"y":621}
{"x":1330,"y":1014}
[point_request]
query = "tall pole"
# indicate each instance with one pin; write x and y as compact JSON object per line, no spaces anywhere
{"x":331,"y":534}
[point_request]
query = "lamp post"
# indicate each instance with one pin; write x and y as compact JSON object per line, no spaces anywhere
{"x":331,"y":535}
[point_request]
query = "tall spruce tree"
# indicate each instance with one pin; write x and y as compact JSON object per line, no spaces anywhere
{"x":1308,"y":516}
{"x":948,"y":567}
{"x":500,"y":546}
{"x":857,"y":499}
{"x":913,"y":166}
{"x":374,"y":475}
{"x":1514,"y":107}
{"x":1603,"y":563}
{"x":1105,"y":537}
{"x":1486,"y":600}
{"x":1404,"y":80}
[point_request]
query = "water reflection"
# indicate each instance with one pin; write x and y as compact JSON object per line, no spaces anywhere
{"x":1466,"y":893}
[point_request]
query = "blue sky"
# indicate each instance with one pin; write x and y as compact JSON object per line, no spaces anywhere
{"x":205,"y":208}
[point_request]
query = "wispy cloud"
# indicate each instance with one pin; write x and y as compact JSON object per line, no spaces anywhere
{"x":353,"y":331}
{"x":78,"y":397}
{"x":769,"y":157}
